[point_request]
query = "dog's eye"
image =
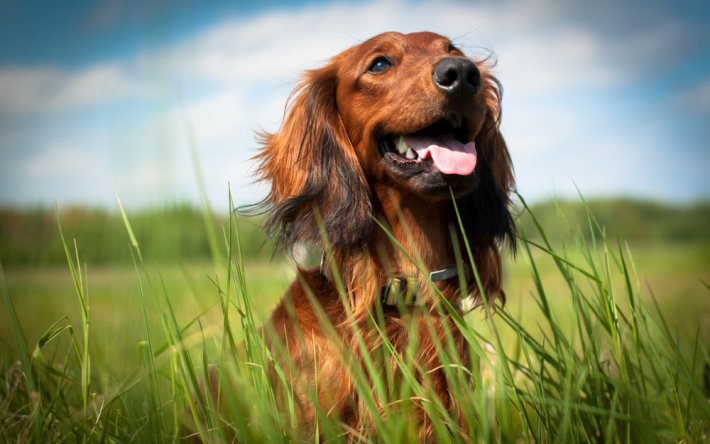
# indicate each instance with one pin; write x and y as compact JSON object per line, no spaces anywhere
{"x":379,"y":65}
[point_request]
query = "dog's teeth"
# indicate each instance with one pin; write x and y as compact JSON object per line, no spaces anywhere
{"x":402,"y":147}
{"x":411,"y":155}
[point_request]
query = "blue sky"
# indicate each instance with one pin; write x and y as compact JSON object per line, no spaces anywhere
{"x":102,"y":97}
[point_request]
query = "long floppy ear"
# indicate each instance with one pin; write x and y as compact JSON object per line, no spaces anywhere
{"x":314,"y":170}
{"x":486,"y":211}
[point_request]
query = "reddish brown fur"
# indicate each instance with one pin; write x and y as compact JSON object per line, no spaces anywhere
{"x":327,"y":175}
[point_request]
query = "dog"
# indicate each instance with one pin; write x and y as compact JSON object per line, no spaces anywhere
{"x":390,"y":151}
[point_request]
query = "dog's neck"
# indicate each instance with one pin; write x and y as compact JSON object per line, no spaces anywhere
{"x":420,"y":227}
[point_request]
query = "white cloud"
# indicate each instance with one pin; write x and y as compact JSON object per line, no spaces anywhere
{"x":21,"y":89}
{"x":33,"y":92}
{"x":65,"y":160}
{"x":66,"y":170}
{"x":216,"y":118}
{"x":558,"y":60}
{"x":97,"y":85}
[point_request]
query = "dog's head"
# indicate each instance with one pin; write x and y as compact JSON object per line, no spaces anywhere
{"x":407,"y":113}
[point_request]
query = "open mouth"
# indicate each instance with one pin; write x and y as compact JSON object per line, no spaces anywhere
{"x":444,"y":144}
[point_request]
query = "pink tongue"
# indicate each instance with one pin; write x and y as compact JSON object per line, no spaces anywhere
{"x":449,"y":155}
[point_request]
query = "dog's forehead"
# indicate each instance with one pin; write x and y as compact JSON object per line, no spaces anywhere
{"x":425,"y":41}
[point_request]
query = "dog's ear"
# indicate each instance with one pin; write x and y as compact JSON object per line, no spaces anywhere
{"x":316,"y":180}
{"x":486,"y":211}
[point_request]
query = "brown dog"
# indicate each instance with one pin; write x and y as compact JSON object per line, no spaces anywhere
{"x":374,"y":145}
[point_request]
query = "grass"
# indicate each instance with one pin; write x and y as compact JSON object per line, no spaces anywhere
{"x":44,"y":294}
{"x":598,"y":342}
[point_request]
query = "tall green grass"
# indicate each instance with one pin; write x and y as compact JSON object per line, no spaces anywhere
{"x":616,"y":373}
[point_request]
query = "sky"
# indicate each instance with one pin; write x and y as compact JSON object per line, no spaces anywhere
{"x":103,"y":98}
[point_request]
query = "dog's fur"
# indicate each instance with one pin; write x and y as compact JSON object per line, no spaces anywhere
{"x":331,"y":180}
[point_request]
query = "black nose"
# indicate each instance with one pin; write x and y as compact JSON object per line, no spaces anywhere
{"x":457,"y":77}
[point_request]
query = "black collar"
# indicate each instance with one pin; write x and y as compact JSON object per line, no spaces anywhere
{"x":406,"y":290}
